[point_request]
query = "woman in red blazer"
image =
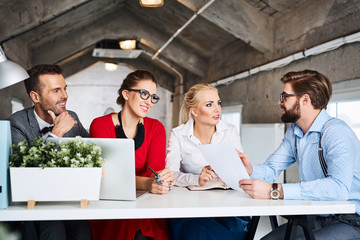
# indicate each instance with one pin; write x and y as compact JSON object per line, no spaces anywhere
{"x":137,"y":95}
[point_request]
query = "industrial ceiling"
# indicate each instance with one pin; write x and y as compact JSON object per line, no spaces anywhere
{"x":227,"y":37}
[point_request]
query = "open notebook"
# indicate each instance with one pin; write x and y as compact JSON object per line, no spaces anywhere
{"x":214,"y":184}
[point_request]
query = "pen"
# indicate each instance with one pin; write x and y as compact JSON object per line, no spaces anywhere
{"x":157,"y":175}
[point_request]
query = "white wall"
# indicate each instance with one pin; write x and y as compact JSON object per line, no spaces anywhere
{"x":94,"y":90}
{"x":261,"y":140}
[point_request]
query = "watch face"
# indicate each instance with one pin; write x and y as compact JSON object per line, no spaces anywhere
{"x":275,"y":194}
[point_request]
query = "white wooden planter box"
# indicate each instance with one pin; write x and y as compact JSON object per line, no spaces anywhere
{"x":55,"y":184}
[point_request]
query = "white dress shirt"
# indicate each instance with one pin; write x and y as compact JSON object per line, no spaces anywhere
{"x":43,"y":124}
{"x":184,"y":157}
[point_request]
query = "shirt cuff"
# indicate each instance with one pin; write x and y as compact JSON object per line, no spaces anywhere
{"x":254,"y":174}
{"x":53,"y":135}
{"x":194,"y":180}
{"x":50,"y":135}
{"x":292,"y":191}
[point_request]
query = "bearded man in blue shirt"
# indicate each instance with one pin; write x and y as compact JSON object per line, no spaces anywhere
{"x":327,"y":153}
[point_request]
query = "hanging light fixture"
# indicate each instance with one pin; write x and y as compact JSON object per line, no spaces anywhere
{"x":151,"y":3}
{"x":115,"y":48}
{"x":10,"y":72}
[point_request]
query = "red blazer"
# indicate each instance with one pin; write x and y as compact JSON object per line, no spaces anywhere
{"x":151,"y":153}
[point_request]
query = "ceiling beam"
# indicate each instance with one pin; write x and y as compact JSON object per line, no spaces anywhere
{"x":284,"y":6}
{"x":316,"y":22}
{"x":25,"y":15}
{"x":239,"y":19}
{"x":115,"y":25}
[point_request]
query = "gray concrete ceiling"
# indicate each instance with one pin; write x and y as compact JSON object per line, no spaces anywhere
{"x":230,"y":36}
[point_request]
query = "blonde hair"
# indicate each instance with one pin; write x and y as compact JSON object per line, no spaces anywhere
{"x":191,"y":100}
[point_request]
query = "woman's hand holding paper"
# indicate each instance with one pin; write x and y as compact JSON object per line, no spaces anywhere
{"x":206,"y":175}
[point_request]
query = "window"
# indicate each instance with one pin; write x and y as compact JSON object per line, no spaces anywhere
{"x":345,"y":103}
{"x":347,"y":111}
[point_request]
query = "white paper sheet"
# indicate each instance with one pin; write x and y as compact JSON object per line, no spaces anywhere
{"x":226,"y":163}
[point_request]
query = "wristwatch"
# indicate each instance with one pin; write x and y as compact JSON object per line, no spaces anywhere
{"x":274,"y":192}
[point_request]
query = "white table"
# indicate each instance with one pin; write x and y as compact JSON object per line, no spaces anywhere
{"x":178,"y":203}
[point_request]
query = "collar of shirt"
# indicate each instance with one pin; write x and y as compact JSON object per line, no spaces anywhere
{"x":317,"y":125}
{"x":188,"y":130}
{"x":42,"y":123}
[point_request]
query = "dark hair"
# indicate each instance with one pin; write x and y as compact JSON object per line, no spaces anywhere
{"x":310,"y":82}
{"x":131,"y":80}
{"x":32,"y":83}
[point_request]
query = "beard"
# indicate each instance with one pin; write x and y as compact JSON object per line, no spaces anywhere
{"x":55,"y":110}
{"x":291,"y":115}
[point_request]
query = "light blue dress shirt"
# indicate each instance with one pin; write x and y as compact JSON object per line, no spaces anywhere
{"x":341,"y":150}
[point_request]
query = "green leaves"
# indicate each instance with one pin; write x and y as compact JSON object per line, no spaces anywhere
{"x":74,"y":153}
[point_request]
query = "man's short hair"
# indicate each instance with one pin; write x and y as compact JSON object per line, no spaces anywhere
{"x":310,"y":82}
{"x":32,"y":83}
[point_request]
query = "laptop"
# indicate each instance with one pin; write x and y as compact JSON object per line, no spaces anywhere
{"x":118,"y":180}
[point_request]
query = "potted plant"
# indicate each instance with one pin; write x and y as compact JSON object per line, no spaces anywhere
{"x":50,"y":171}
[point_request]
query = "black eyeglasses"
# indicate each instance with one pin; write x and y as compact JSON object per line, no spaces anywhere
{"x":284,"y":95}
{"x":144,"y":94}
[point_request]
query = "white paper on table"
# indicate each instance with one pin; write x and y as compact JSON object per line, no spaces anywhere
{"x":225,"y":161}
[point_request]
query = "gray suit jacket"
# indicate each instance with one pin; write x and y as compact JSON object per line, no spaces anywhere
{"x":25,"y":127}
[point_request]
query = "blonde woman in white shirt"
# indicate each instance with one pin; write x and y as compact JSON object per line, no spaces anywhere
{"x":201,"y":124}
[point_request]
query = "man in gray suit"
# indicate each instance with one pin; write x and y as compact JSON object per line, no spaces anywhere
{"x":48,"y":118}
